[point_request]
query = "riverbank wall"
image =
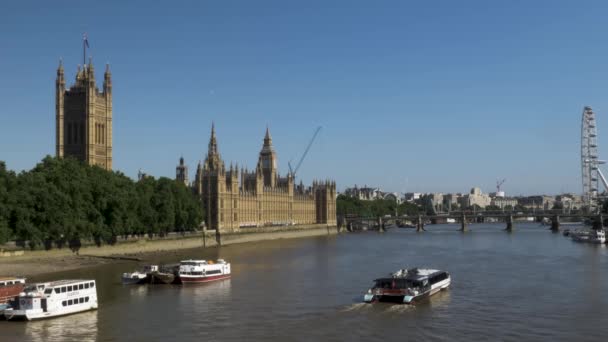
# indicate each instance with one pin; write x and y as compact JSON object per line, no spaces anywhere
{"x":133,"y":245}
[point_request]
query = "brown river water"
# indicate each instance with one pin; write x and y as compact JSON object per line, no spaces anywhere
{"x":529,"y":285}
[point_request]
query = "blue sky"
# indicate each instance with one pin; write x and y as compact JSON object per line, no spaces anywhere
{"x":411,"y":95}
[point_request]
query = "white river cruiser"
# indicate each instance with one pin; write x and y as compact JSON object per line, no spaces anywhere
{"x":58,"y":298}
{"x":407,"y":286}
{"x":201,"y":271}
{"x":590,"y":236}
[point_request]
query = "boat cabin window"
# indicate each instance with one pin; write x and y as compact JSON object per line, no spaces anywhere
{"x":92,"y":285}
{"x":86,"y":286}
{"x":2,"y":284}
{"x":70,"y":302}
{"x":80,"y":300}
{"x":63,"y":288}
{"x":57,"y":290}
{"x":70,"y":288}
{"x":214,"y":272}
{"x":9,"y":283}
{"x":86,"y":299}
{"x":48,"y":292}
{"x":438,"y":277}
{"x":64,"y":303}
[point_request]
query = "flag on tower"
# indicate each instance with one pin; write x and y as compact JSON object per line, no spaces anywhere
{"x":86,"y":40}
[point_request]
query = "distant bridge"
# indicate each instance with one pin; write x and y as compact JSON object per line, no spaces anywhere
{"x":466,"y":217}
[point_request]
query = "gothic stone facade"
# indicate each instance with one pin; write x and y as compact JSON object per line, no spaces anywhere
{"x":84,"y":117}
{"x":234,"y":199}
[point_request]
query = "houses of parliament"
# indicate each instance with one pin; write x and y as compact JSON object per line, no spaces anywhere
{"x":84,"y":117}
{"x":234,"y":199}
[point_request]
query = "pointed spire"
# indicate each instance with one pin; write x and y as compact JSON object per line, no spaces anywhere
{"x":60,"y":68}
{"x":212,"y":141}
{"x":267,"y":137}
{"x":108,"y":69}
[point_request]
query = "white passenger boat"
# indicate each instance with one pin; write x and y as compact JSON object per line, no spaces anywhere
{"x":590,"y":236}
{"x":57,"y":298}
{"x":407,"y":286}
{"x":201,"y":271}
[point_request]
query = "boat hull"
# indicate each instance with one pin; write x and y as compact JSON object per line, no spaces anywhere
{"x":202,"y":279}
{"x":31,"y":315}
{"x":161,"y":278}
{"x":133,"y":281}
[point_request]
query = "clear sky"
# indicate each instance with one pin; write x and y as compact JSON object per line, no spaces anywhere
{"x":411,"y":95}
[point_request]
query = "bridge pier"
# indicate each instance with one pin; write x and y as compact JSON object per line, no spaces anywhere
{"x":509,"y":223}
{"x":463,"y":223}
{"x":420,"y":224}
{"x":555,"y":224}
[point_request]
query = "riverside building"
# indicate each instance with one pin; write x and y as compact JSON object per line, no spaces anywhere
{"x":84,"y":117}
{"x":236,"y":199}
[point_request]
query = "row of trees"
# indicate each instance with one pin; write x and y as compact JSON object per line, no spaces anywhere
{"x":350,"y":206}
{"x":65,"y":201}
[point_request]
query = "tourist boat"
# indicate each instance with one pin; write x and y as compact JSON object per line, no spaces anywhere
{"x":10,"y":287}
{"x":407,"y":286}
{"x":138,"y":277}
{"x":58,"y":298}
{"x":200,"y":271}
{"x":592,"y":236}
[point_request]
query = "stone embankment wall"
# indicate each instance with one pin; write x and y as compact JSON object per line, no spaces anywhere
{"x":134,"y":245}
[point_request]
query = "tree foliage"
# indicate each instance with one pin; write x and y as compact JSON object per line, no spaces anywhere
{"x":350,"y":206}
{"x":63,"y":201}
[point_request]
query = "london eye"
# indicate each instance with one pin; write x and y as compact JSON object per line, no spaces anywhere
{"x":591,"y":174}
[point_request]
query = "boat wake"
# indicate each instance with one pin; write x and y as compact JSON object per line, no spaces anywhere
{"x":378,"y":307}
{"x":356,"y":307}
{"x":399,"y":308}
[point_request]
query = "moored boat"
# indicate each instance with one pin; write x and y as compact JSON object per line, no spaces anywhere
{"x":590,"y":236}
{"x":138,"y":277}
{"x":10,"y":287}
{"x":407,"y":286}
{"x":59,"y":298}
{"x":201,"y":271}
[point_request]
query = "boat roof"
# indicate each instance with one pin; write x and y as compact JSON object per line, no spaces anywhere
{"x":11,"y":278}
{"x":193,"y":260}
{"x":67,"y":282}
{"x":412,"y":274}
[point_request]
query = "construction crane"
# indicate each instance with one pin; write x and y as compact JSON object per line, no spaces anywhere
{"x":499,"y":183}
{"x":294,"y":171}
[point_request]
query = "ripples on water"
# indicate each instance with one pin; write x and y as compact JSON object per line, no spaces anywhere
{"x":528,"y":285}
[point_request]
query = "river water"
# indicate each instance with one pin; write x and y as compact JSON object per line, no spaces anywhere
{"x":527,"y":285}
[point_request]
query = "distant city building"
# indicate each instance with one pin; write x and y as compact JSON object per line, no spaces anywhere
{"x":504,"y":202}
{"x":412,"y":196}
{"x":569,"y":201}
{"x":537,"y":202}
{"x":365,"y":193}
{"x":475,"y":198}
{"x":434,"y":201}
{"x":83,"y":117}
{"x":181,"y":172}
{"x":369,"y":194}
{"x":234,"y":199}
{"x":392,"y":196}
